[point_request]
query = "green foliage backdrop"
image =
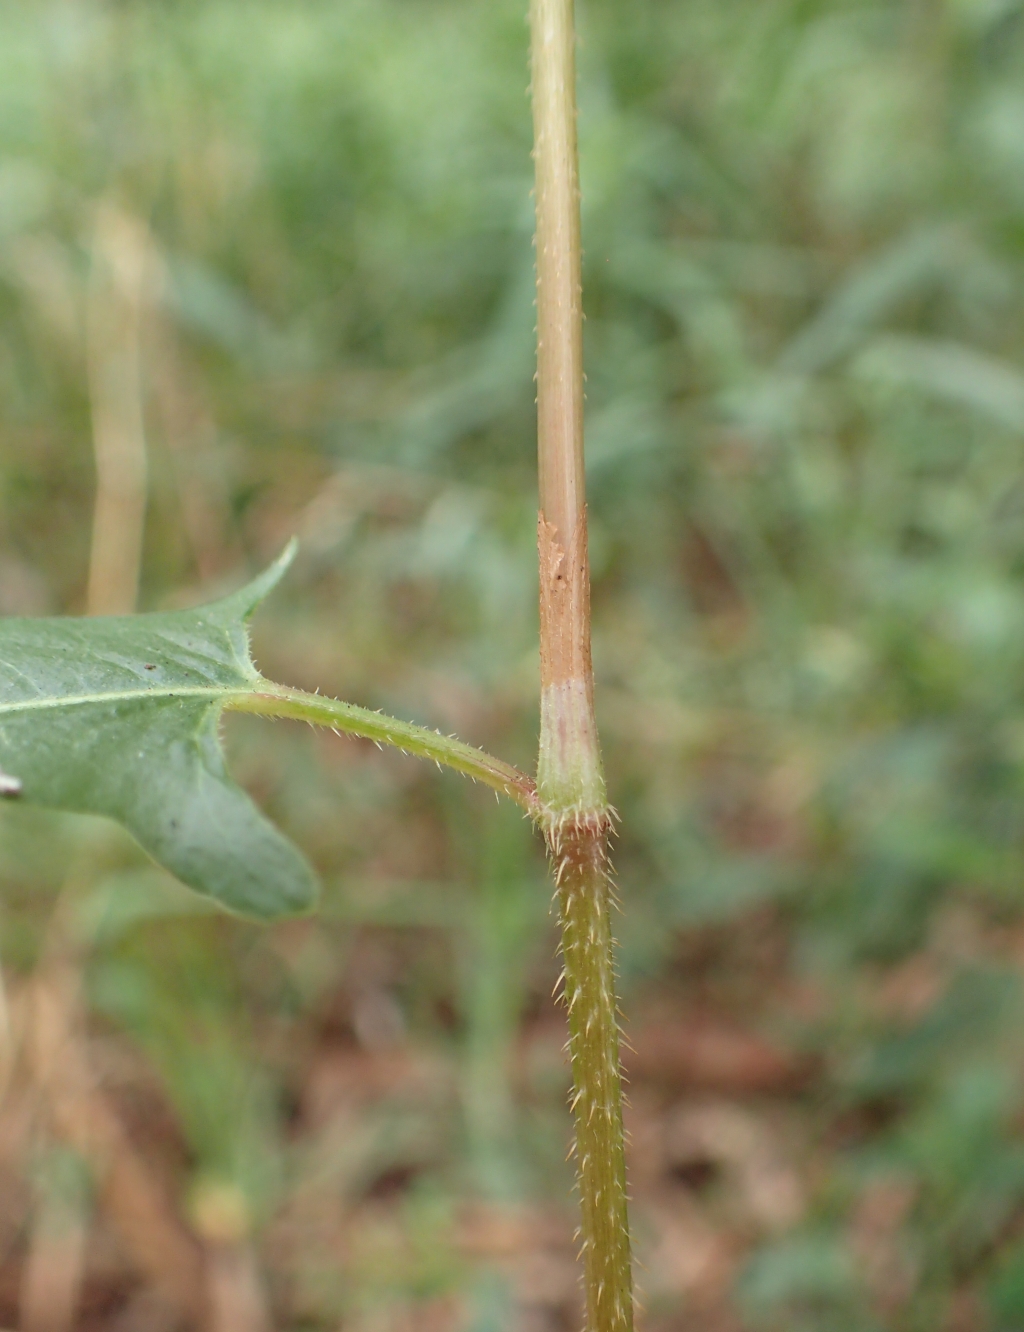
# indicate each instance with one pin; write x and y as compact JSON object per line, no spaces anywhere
{"x":804,"y":233}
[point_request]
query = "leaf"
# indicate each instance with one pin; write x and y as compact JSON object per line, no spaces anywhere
{"x":120,"y":716}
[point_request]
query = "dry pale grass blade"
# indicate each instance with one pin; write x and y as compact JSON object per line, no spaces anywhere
{"x":189,"y":434}
{"x":119,"y":294}
{"x":7,"y":1039}
{"x":83,"y":1118}
{"x":236,"y":1297}
{"x":52,"y":1279}
{"x":235,"y":1291}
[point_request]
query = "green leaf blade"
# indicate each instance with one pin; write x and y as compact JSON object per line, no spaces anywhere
{"x":119,"y":716}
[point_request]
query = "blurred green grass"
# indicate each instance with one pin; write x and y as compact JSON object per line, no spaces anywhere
{"x":804,"y":233}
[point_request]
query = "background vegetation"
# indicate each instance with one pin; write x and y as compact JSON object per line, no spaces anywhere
{"x":288,"y":245}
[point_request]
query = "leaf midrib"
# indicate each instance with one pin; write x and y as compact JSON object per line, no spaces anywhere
{"x":222,"y":692}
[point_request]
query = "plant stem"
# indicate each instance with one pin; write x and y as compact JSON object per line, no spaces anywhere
{"x":575,"y":815}
{"x":274,"y":700}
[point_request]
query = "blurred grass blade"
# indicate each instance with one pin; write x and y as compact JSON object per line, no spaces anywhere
{"x":949,"y":372}
{"x":867,"y":296}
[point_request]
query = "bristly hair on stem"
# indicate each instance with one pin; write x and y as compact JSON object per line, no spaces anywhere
{"x":574,"y":811}
{"x":276,"y":700}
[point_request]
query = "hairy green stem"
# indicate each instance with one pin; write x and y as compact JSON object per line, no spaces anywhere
{"x":274,"y":700}
{"x":585,"y":897}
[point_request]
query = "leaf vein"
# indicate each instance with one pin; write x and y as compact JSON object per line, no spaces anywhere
{"x":211,"y":692}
